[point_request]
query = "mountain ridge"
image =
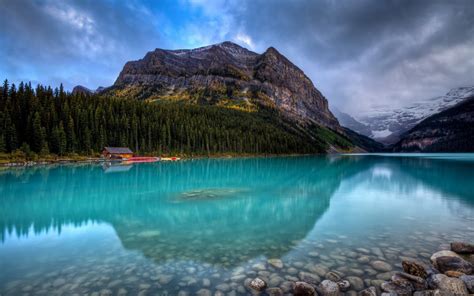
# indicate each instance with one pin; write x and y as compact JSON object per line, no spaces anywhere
{"x":447,"y":131}
{"x":387,"y":125}
{"x":228,"y":75}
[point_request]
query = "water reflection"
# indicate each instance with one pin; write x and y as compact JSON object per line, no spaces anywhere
{"x":160,"y":220}
{"x":205,"y":209}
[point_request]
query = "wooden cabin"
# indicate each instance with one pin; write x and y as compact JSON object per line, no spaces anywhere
{"x":117,"y":152}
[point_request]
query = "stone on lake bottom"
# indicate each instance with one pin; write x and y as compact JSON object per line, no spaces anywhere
{"x":277,"y":263}
{"x":344,"y":285}
{"x":329,"y":288}
{"x":371,"y":291}
{"x":258,"y":284}
{"x":303,"y":289}
{"x":274,"y":292}
{"x":204,"y":292}
{"x":381,"y":265}
{"x":356,"y":282}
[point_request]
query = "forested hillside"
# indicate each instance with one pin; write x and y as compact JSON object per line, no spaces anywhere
{"x":45,"y":121}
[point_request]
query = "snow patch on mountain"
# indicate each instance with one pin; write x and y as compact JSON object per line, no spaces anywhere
{"x":386,"y":125}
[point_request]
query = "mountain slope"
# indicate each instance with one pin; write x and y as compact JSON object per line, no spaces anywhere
{"x":388,"y":124}
{"x":448,"y":131}
{"x":229,"y":76}
{"x":351,"y":123}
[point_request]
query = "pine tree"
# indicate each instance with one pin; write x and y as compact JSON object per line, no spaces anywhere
{"x":37,"y":141}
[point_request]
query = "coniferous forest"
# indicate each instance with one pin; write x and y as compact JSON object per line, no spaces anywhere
{"x":45,"y":121}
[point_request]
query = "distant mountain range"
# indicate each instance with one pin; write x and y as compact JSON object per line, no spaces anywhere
{"x":451,"y":130}
{"x":387,"y":125}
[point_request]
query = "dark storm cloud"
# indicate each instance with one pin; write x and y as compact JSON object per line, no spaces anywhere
{"x":368,"y":53}
{"x":360,"y":54}
{"x":72,"y":41}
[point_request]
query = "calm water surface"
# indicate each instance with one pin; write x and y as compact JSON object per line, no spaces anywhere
{"x":169,"y":228}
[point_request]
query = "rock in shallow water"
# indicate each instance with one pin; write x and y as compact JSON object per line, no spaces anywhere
{"x":356,"y":282}
{"x":381,"y":265}
{"x":258,"y":284}
{"x":274,"y":292}
{"x":277,"y":263}
{"x":368,"y":292}
{"x":450,"y":263}
{"x":442,"y":253}
{"x":462,"y":248}
{"x":447,"y":284}
{"x":468,"y":281}
{"x":414,"y":268}
{"x":344,"y":285}
{"x":303,"y":289}
{"x":329,"y":288}
{"x":309,"y":278}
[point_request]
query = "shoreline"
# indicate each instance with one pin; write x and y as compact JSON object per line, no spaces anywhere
{"x":92,"y":159}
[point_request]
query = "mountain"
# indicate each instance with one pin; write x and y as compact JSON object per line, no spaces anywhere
{"x":366,"y":143}
{"x":79,"y":89}
{"x":450,"y":130}
{"x":229,"y":76}
{"x":350,"y":122}
{"x":386,"y":125}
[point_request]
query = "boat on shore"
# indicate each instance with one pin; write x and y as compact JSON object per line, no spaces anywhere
{"x":140,"y":159}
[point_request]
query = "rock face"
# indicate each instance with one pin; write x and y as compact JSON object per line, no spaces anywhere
{"x":226,"y":74}
{"x":443,"y":132}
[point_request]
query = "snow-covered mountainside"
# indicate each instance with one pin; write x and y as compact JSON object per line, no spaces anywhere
{"x":386,"y":125}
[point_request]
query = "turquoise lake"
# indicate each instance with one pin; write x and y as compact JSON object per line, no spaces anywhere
{"x":210,"y":225}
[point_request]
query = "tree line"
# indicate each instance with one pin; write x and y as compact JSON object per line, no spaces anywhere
{"x":44,"y":121}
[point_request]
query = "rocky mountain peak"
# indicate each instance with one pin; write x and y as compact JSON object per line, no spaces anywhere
{"x":229,"y":75}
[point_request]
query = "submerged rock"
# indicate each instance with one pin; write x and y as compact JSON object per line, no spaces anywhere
{"x":309,"y":278}
{"x":258,"y":284}
{"x":447,"y":284}
{"x":381,"y":265}
{"x":414,"y":268}
{"x":462,"y":248}
{"x":344,"y":285}
{"x":401,"y":288}
{"x":204,"y":292}
{"x":371,"y":291}
{"x":274,"y":292}
{"x":277,"y":263}
{"x":333,"y":276}
{"x":303,"y":289}
{"x":356,"y":282}
{"x":329,"y":288}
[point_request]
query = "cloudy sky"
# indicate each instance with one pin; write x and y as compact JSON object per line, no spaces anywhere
{"x":361,"y":54}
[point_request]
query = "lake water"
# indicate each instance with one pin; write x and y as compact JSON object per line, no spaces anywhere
{"x":202,"y":226}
